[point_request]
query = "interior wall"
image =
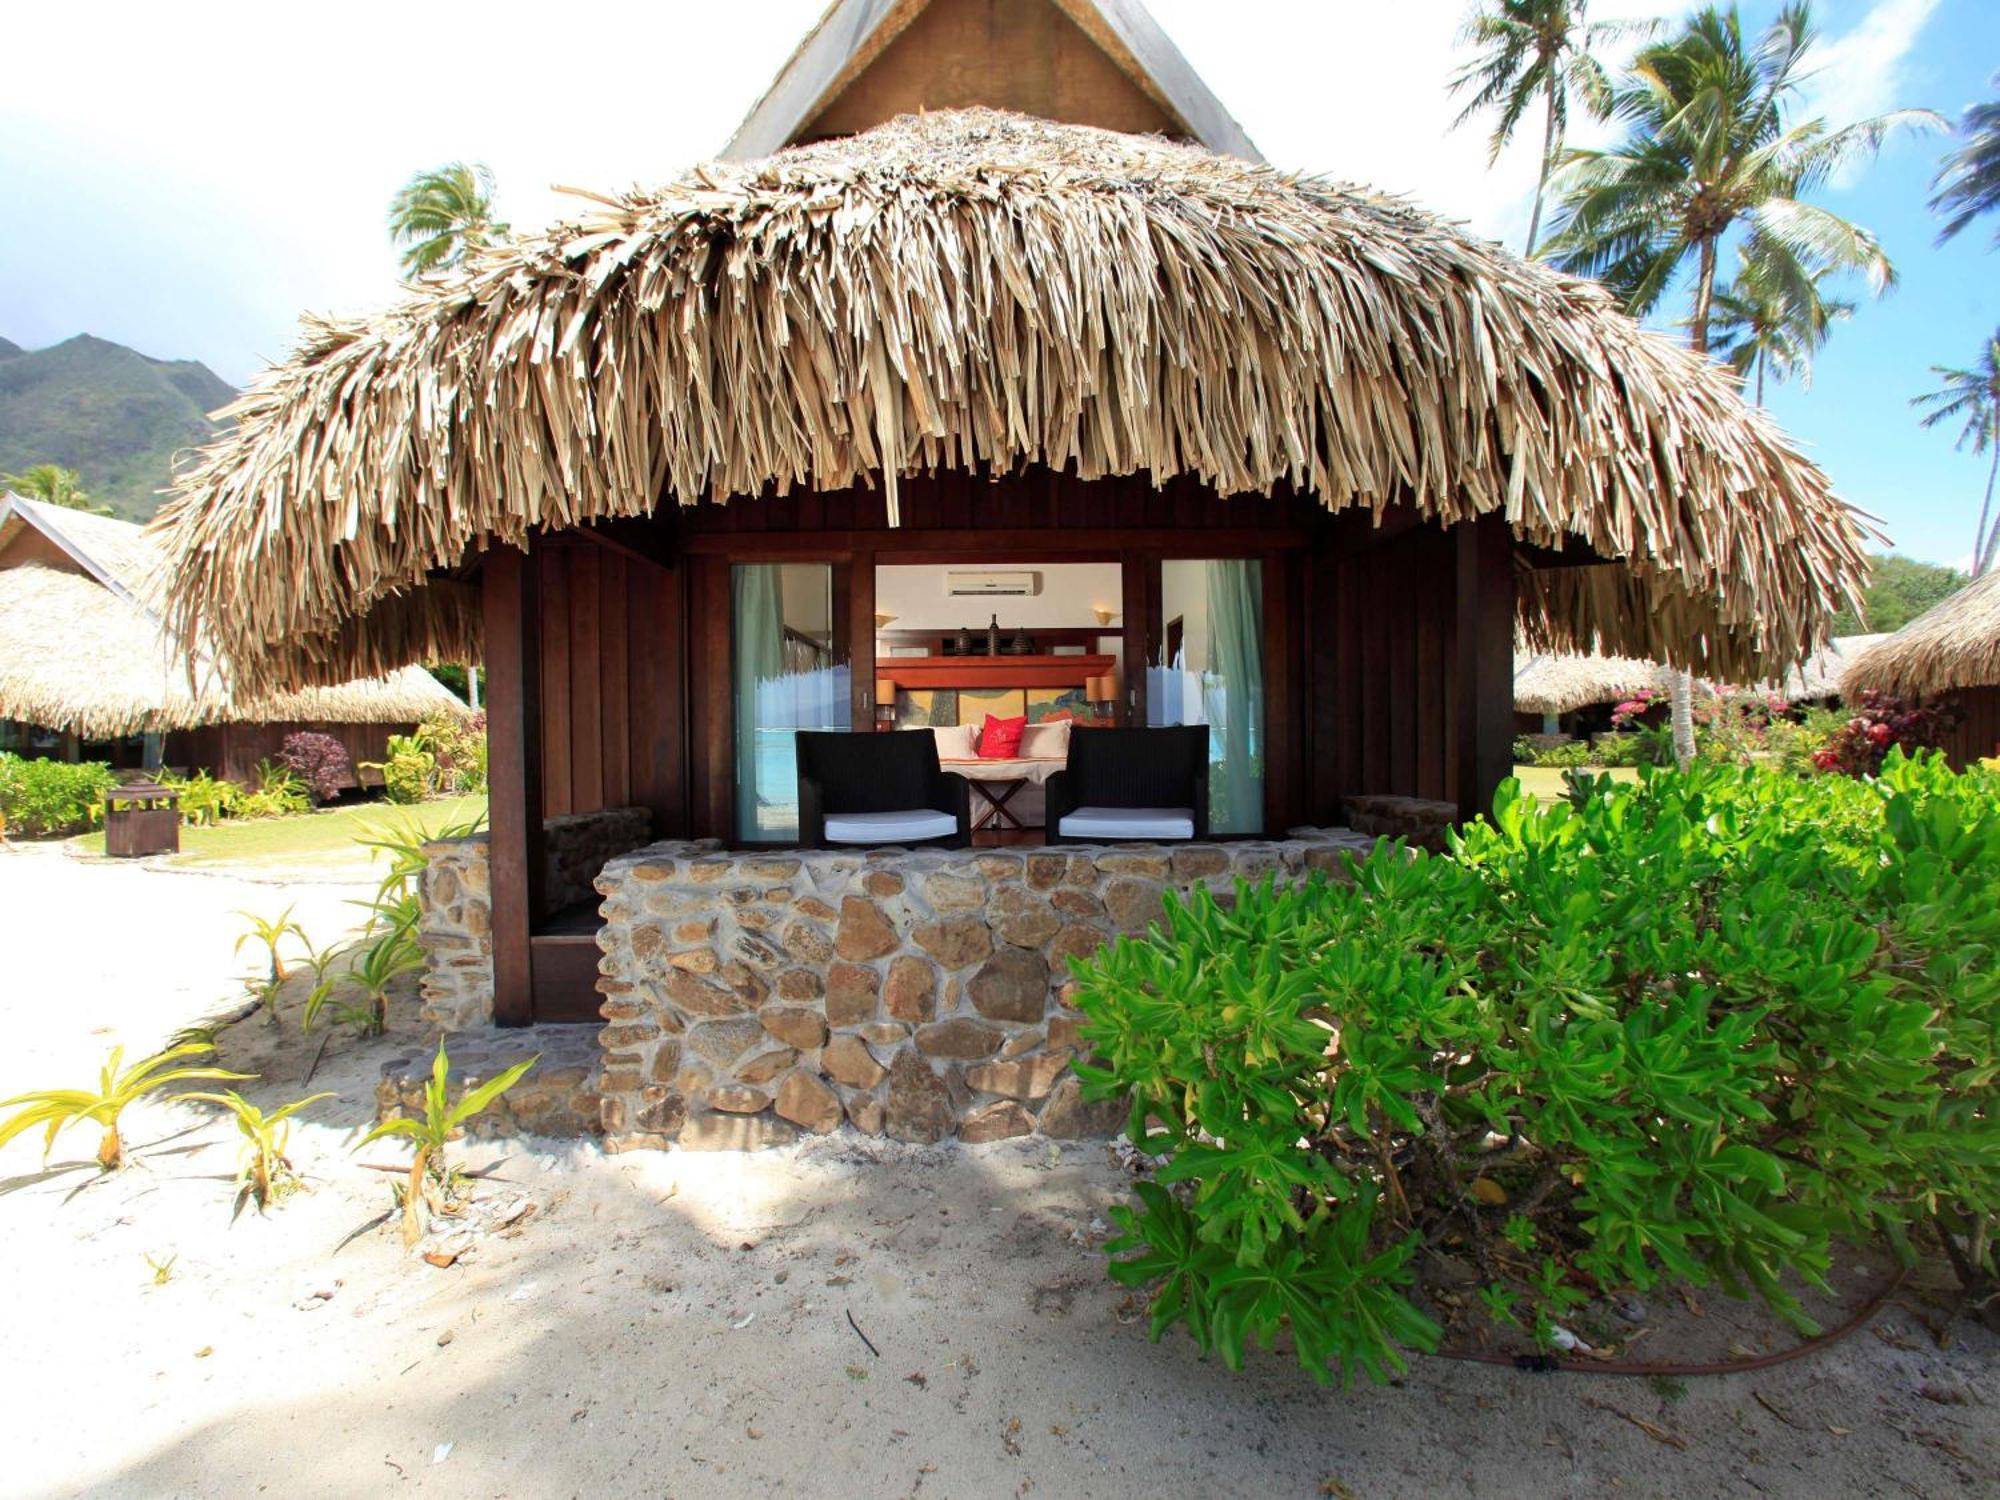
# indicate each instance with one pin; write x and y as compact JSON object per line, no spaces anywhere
{"x":1069,"y":591}
{"x":1184,"y":594}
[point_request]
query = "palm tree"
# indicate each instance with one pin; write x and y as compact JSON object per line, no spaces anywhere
{"x":1968,"y":183}
{"x":1710,"y":148}
{"x":1763,"y":322}
{"x":1974,"y":395}
{"x":1529,"y":48}
{"x":52,"y":485}
{"x":437,"y":216}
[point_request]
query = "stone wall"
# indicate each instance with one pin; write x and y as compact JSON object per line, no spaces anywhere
{"x":576,"y":845}
{"x":457,"y":927}
{"x":558,"y":1096}
{"x":915,"y":993}
{"x":457,"y":934}
{"x":1418,"y":821}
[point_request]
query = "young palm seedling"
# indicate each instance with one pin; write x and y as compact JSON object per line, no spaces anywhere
{"x":266,"y":1171}
{"x":385,"y":960}
{"x":428,"y":1135}
{"x":271,"y":932}
{"x":117,"y":1086}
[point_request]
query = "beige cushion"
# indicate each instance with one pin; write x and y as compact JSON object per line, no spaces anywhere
{"x":1048,"y":741}
{"x":958,"y":742}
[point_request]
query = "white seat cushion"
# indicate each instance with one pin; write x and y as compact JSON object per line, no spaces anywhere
{"x":957,"y":741}
{"x":889,"y":827}
{"x":1128,"y":823}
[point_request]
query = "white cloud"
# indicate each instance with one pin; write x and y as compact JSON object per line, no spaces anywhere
{"x":1863,"y":72}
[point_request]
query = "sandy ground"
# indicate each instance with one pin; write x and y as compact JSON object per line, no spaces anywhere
{"x":679,"y":1325}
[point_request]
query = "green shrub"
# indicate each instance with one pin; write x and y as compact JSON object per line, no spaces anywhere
{"x":458,"y":746}
{"x":51,"y":796}
{"x":280,"y":793}
{"x":1692,"y":1029}
{"x":1564,"y":757}
{"x":410,"y":773}
{"x":204,"y":801}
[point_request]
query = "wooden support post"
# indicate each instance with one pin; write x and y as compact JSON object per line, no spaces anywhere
{"x":510,"y":603}
{"x":1485,"y":661}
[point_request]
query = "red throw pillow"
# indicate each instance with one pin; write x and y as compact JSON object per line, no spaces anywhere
{"x":1001,"y":738}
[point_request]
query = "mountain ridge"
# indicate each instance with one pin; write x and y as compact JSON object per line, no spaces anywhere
{"x":116,"y":416}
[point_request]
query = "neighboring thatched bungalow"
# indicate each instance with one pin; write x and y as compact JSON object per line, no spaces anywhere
{"x":1572,"y":693}
{"x":1950,"y":652}
{"x":1329,"y":451}
{"x":84,"y":673}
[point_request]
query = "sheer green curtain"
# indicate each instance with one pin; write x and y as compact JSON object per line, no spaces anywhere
{"x":1233,"y":695}
{"x":786,"y":676}
{"x":757,"y":606}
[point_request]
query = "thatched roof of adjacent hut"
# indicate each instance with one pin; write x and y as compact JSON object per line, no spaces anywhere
{"x":1953,"y":644}
{"x":971,"y":286}
{"x":1821,"y":673}
{"x":1561,"y":683}
{"x":80,"y":651}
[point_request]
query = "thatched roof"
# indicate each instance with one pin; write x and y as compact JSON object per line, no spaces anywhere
{"x":980,"y":286}
{"x":1953,"y":644}
{"x":1561,"y":683}
{"x":78,"y":652}
{"x":1821,"y":674}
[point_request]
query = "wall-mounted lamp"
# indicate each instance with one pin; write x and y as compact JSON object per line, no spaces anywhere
{"x":883,"y":622}
{"x":1104,"y":616}
{"x":885,"y":700}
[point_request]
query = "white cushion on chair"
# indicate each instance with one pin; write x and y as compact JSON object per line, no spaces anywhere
{"x":957,"y":741}
{"x":1127,"y":823}
{"x":889,"y":827}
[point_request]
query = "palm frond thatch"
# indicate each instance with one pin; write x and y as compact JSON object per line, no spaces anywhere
{"x":82,"y":650}
{"x":1561,"y":684}
{"x":969,"y":286}
{"x":1953,"y":644}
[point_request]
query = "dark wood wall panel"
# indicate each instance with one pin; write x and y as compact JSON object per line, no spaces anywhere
{"x":1978,"y":732}
{"x":613,"y":683}
{"x":1381,"y":646}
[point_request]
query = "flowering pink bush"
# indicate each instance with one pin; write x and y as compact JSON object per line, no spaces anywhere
{"x":1633,"y":708}
{"x":1883,"y":722}
{"x":320,"y":761}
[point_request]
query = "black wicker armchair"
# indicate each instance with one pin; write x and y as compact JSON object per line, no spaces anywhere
{"x":1131,"y":784}
{"x":862,"y":789}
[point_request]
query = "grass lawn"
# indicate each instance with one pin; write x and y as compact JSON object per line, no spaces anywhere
{"x":321,"y":842}
{"x":1545,"y":783}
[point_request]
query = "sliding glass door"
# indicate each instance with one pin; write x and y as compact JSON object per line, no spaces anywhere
{"x":789,"y":671}
{"x":1207,"y":667}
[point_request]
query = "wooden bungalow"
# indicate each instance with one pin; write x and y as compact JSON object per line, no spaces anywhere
{"x":1003,"y":334}
{"x":1950,"y":652}
{"x":85,"y":673}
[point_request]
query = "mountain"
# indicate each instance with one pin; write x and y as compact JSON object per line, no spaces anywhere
{"x":115,"y":416}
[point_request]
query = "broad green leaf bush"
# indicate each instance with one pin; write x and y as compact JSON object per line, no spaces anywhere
{"x":1691,"y":1030}
{"x":40,"y":797}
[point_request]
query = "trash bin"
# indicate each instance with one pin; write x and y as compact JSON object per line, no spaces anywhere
{"x":142,"y":819}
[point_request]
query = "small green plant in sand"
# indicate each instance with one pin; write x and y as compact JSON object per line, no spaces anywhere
{"x":428,"y":1135}
{"x":162,"y":1267}
{"x":265,"y":1174}
{"x":117,"y":1087}
{"x":270,"y":932}
{"x":384,"y":961}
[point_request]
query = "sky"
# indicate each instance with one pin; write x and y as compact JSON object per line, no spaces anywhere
{"x":189,"y":189}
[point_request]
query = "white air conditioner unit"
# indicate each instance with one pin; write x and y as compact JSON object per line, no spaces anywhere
{"x":987,"y":583}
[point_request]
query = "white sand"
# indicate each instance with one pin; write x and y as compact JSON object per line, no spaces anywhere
{"x":677,"y":1324}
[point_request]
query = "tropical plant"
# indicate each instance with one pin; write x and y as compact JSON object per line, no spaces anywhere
{"x":266,"y":1171}
{"x":1691,"y":1030}
{"x":1882,"y":724}
{"x":1530,"y":49}
{"x":440,"y":215}
{"x":205,"y":800}
{"x":410,"y":773}
{"x":1968,"y":183}
{"x":1898,"y":590}
{"x":117,"y":1087}
{"x":384,"y":961}
{"x":271,"y":932}
{"x":1711,"y":147}
{"x":52,"y":485}
{"x":319,"y":761}
{"x":429,"y":1135}
{"x":1972,"y":396}
{"x":39,"y":797}
{"x":1764,"y":321}
{"x":457,"y":745}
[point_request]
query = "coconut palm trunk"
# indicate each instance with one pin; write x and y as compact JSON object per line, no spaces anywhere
{"x":1548,"y":166}
{"x":1986,"y":537}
